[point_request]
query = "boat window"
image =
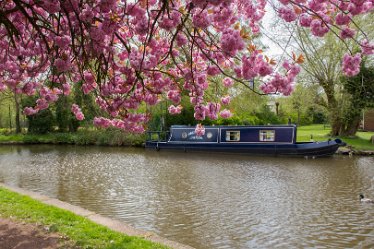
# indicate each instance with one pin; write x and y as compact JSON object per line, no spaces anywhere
{"x":267,"y":135}
{"x":232,"y":136}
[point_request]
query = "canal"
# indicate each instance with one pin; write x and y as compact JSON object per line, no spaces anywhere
{"x":208,"y":200}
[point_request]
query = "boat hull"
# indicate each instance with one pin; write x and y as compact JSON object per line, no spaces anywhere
{"x":312,"y":149}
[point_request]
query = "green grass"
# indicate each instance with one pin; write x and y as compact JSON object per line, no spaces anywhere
{"x":321,"y":133}
{"x":112,"y":137}
{"x":81,"y":231}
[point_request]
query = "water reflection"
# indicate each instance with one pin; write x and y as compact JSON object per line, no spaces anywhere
{"x":207,"y":201}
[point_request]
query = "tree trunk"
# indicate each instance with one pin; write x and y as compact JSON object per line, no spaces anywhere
{"x":18,"y":122}
{"x":352,"y":127}
{"x":333,"y":108}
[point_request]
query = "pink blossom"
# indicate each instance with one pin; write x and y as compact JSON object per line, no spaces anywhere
{"x":2,"y":87}
{"x":62,"y":65}
{"x":286,"y":65}
{"x":358,"y":2}
{"x":347,"y":33}
{"x":367,"y":7}
{"x":226,"y":100}
{"x":238,"y":72}
{"x":102,"y":122}
{"x":107,"y":5}
{"x":199,"y":112}
{"x":136,"y":117}
{"x":212,"y":110}
{"x":196,"y":100}
{"x":66,"y":89}
{"x":87,"y":88}
{"x":316,"y":5}
{"x":367,"y":47}
{"x":288,"y":90}
{"x":29,"y":111}
{"x":355,"y":9}
{"x":51,"y":97}
{"x":181,"y":40}
{"x":51,"y":6}
{"x":284,"y":2}
{"x":139,"y":129}
{"x":151,"y":99}
{"x":267,"y":88}
{"x":351,"y":64}
{"x":287,"y":14}
{"x":174,"y":110}
{"x":41,"y":104}
{"x":227,"y":82}
{"x":109,"y":26}
{"x":342,"y":19}
{"x":199,"y":130}
{"x":231,"y":42}
{"x":62,"y":41}
{"x":213,"y":70}
{"x":29,"y":89}
{"x":77,"y":112}
{"x":174,"y":96}
{"x":201,"y":19}
{"x":318,"y":28}
{"x":86,"y":14}
{"x":225,"y":113}
{"x":293,"y":71}
{"x":141,"y":26}
{"x":305,"y":20}
{"x":264,"y":68}
{"x":79,"y":116}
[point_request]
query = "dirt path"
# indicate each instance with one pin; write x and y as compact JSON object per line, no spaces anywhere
{"x":17,"y":235}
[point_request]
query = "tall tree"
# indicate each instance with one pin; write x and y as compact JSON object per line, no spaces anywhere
{"x":323,"y":67}
{"x":130,"y":52}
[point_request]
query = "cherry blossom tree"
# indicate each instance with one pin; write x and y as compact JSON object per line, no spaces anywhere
{"x":133,"y":52}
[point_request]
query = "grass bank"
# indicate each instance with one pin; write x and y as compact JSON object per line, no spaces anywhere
{"x":320,"y":133}
{"x":110,"y":137}
{"x":82,"y":232}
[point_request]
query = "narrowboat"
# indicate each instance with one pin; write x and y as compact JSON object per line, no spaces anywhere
{"x":274,"y":140}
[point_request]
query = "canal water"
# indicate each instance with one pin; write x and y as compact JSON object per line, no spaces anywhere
{"x":208,"y":200}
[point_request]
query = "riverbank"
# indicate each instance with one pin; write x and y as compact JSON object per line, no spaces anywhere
{"x":109,"y":137}
{"x":358,"y":145}
{"x":64,"y":224}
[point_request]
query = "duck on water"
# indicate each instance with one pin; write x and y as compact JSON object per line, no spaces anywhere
{"x":365,"y":200}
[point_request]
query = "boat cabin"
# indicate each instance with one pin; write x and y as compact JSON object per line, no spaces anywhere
{"x":276,"y":134}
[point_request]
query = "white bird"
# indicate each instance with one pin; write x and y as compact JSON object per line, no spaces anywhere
{"x":365,"y":200}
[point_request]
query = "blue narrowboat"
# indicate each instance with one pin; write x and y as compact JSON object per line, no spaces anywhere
{"x":271,"y":140}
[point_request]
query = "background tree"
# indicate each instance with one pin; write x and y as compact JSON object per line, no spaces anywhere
{"x":323,"y":67}
{"x":301,"y":106}
{"x":11,"y":110}
{"x":359,"y":94}
{"x":40,"y":123}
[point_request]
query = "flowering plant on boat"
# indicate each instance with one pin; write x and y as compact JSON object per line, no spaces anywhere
{"x":199,"y":130}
